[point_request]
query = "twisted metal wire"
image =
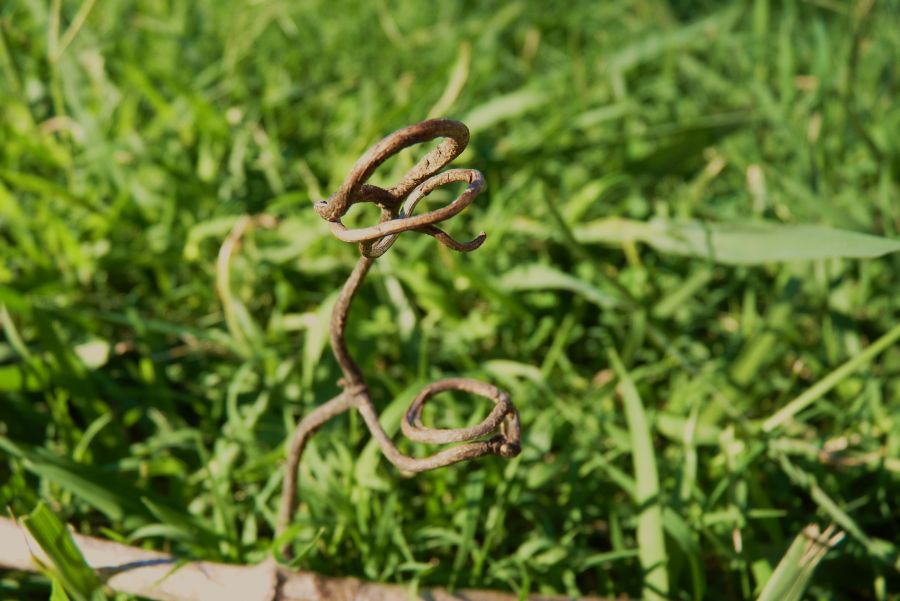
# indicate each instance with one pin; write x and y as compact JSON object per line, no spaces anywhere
{"x":397,"y":205}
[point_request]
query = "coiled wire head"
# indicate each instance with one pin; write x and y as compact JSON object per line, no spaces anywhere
{"x":398,"y":202}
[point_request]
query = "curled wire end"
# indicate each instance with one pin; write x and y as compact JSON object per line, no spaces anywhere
{"x":450,"y":242}
{"x":375,"y":248}
{"x":503,"y":418}
{"x":421,"y":180}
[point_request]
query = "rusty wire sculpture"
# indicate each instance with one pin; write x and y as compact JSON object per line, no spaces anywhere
{"x":397,"y":205}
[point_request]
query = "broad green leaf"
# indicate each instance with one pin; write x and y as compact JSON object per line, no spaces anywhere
{"x":738,"y":243}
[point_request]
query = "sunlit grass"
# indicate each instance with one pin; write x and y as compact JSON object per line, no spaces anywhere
{"x":639,"y":157}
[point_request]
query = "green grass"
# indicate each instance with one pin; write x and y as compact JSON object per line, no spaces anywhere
{"x":639,"y":157}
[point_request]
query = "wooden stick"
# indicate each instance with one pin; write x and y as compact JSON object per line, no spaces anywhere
{"x":160,"y":576}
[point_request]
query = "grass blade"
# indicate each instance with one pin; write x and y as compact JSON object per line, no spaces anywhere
{"x":651,"y":539}
{"x":821,"y":387}
{"x":501,"y":108}
{"x":545,"y":277}
{"x":70,"y":567}
{"x":739,"y":243}
{"x":96,"y":487}
{"x":791,"y":577}
{"x":881,"y":549}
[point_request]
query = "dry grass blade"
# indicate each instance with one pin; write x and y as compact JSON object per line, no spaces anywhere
{"x":795,"y":569}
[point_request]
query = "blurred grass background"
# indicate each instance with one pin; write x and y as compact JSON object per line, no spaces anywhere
{"x":133,"y":135}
